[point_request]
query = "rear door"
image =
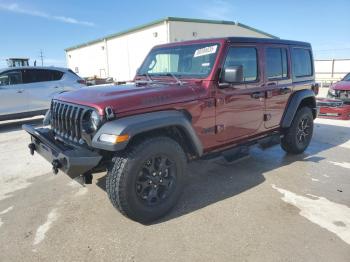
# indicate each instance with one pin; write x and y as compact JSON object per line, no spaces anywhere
{"x":240,"y":107}
{"x":278,"y":83}
{"x":42,"y":85}
{"x":13,"y":94}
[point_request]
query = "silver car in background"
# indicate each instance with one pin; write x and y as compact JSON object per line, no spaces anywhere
{"x":27,"y":91}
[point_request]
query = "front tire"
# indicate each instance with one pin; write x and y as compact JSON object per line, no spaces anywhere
{"x":298,"y":136}
{"x":145,"y":182}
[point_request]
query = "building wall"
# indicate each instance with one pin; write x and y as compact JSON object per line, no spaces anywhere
{"x":88,"y":60}
{"x":181,"y":31}
{"x":120,"y":56}
{"x":127,"y":52}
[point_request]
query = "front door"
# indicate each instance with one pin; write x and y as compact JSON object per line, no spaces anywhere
{"x":240,"y":107}
{"x":13,"y":95}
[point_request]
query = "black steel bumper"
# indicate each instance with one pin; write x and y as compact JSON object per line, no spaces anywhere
{"x":72,"y":160}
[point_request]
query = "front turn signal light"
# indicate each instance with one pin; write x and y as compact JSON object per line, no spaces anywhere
{"x":113,"y":139}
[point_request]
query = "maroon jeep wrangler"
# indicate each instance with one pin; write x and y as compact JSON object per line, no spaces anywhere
{"x":189,"y":100}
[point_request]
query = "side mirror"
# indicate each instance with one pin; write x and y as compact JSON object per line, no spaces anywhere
{"x":232,"y":74}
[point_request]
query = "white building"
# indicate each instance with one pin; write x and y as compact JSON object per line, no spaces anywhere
{"x":119,"y":55}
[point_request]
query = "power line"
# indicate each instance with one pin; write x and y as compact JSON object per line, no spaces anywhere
{"x":330,"y":50}
{"x":41,"y":57}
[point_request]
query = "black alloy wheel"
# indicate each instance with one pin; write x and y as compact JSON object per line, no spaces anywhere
{"x":303,"y":130}
{"x":156,"y":180}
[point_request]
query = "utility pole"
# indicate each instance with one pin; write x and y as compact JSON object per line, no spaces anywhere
{"x":41,"y":57}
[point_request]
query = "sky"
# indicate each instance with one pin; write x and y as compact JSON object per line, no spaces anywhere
{"x":27,"y":27}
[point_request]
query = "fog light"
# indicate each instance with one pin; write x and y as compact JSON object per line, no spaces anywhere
{"x":113,"y":139}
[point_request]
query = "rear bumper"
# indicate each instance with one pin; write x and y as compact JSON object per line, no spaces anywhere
{"x":72,"y":160}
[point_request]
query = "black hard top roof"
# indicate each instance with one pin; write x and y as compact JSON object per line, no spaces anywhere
{"x":265,"y":40}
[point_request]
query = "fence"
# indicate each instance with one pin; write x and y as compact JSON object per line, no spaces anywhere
{"x":330,"y":71}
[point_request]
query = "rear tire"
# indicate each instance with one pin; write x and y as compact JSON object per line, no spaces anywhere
{"x":145,"y":182}
{"x":298,"y":136}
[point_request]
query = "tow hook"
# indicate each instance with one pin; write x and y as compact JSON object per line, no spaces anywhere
{"x":87,"y":178}
{"x":31,"y":148}
{"x":55,"y":166}
{"x":84,"y":179}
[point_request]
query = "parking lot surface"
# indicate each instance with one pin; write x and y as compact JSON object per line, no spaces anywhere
{"x":268,"y":207}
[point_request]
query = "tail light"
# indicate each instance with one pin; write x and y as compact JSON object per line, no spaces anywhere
{"x":81,"y":81}
{"x":315,"y":87}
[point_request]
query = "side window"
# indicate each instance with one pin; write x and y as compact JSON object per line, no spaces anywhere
{"x":29,"y":76}
{"x":37,"y":75}
{"x":43,"y":75}
{"x":302,"y":62}
{"x":276,"y":63}
{"x":247,"y":58}
{"x":10,"y":78}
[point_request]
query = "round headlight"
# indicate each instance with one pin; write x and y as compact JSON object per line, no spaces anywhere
{"x":91,"y":121}
{"x":95,"y":120}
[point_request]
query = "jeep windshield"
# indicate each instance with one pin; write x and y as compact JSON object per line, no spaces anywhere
{"x":186,"y":61}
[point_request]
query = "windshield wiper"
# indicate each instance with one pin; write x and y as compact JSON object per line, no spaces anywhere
{"x":149,"y":79}
{"x":178,"y":81}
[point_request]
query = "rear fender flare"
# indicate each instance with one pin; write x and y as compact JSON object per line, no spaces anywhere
{"x":294,"y":103}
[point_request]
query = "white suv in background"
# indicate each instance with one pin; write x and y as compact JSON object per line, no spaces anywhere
{"x":27,"y":91}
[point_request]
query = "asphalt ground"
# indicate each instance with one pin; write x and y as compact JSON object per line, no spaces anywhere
{"x":268,"y":207}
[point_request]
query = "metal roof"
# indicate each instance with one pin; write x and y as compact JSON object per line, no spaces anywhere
{"x":167,"y":19}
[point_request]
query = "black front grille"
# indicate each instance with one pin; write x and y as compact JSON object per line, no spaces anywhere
{"x":67,"y":120}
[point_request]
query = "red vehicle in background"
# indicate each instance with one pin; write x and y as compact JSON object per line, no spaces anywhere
{"x":333,"y":109}
{"x":341,"y":90}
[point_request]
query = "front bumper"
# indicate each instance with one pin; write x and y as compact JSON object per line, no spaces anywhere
{"x":344,"y":97}
{"x":72,"y":160}
{"x":341,"y":113}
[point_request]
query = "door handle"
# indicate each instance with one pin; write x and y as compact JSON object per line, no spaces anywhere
{"x":284,"y":91}
{"x":56,"y":87}
{"x":258,"y":95}
{"x":271,"y":84}
{"x":20,"y":91}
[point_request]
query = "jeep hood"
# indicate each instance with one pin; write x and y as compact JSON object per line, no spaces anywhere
{"x":342,"y":85}
{"x":123,"y":98}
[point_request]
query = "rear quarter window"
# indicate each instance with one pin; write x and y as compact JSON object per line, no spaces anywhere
{"x":56,"y":75}
{"x":302,"y":63}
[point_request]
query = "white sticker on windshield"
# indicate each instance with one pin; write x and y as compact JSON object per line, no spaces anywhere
{"x":205,"y":64}
{"x":205,"y":51}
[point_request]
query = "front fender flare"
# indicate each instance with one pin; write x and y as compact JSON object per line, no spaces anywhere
{"x":137,"y":124}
